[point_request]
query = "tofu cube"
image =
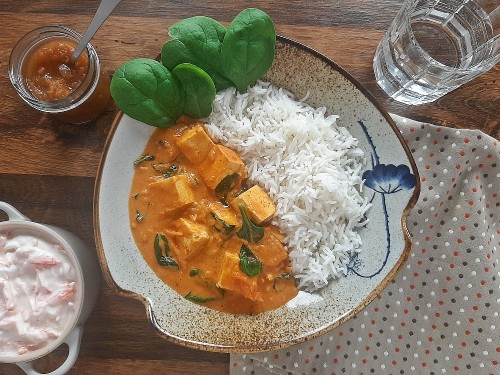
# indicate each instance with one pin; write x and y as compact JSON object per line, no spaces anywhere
{"x":195,"y":144}
{"x":220,"y":163}
{"x":233,"y":279}
{"x":259,"y":205}
{"x":193,"y":239}
{"x":173,"y":192}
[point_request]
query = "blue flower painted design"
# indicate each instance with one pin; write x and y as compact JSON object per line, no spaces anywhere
{"x":384,"y":179}
{"x":389,"y":179}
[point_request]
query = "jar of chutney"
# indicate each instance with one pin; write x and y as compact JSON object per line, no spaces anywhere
{"x":41,"y":72}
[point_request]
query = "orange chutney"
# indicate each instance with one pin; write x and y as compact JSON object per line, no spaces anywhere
{"x":176,"y":211}
{"x":50,"y":77}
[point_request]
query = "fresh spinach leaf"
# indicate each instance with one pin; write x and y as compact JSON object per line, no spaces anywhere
{"x":194,"y":272}
{"x":248,"y":48}
{"x":197,"y":40}
{"x":225,"y":186}
{"x":164,"y":260}
{"x":249,"y":231}
{"x":221,"y":226}
{"x":147,"y":91}
{"x":250,"y":264}
{"x":199,"y":90}
{"x":195,"y":298}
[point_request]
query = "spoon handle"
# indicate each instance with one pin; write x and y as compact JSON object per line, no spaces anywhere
{"x":104,"y":10}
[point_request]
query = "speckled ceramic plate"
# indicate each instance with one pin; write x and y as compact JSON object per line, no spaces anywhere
{"x":392,"y":186}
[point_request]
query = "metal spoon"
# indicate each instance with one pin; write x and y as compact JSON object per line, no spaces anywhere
{"x":104,"y":10}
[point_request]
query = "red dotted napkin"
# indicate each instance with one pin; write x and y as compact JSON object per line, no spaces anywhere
{"x":441,"y":313}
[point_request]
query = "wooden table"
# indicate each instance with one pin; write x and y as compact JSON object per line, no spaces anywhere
{"x":48,"y":168}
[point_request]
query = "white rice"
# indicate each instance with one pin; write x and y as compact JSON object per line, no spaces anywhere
{"x":310,"y":167}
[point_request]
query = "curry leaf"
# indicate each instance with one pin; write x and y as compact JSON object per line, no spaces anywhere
{"x":248,"y":48}
{"x":164,"y":260}
{"x":249,"y":231}
{"x":147,"y":91}
{"x":199,"y":90}
{"x":225,"y":186}
{"x":250,"y":264}
{"x":195,"y":298}
{"x":168,"y":262}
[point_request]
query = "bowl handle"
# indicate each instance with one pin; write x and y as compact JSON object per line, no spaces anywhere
{"x":73,"y":340}
{"x":12,"y":213}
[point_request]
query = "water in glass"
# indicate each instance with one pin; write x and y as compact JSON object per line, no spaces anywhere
{"x":433,"y":47}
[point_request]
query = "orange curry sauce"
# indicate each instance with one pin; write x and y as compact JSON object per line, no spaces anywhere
{"x":176,"y":198}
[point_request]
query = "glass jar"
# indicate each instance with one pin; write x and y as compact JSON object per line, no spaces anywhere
{"x":82,"y":103}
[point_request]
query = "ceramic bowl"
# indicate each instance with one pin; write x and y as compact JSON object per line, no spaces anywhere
{"x":392,"y":185}
{"x":86,"y":268}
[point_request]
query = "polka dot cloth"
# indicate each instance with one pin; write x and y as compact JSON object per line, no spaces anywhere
{"x":440,"y":314}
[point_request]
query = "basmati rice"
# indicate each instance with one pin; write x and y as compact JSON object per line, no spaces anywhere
{"x":310,"y":167}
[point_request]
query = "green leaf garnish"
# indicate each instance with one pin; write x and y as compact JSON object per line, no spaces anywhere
{"x":164,"y":260}
{"x":158,"y":249}
{"x":249,"y":231}
{"x":221,"y":226}
{"x":147,"y":91}
{"x":202,"y":57}
{"x":283,"y":276}
{"x":197,"y":40}
{"x":198,"y":299}
{"x":250,"y":264}
{"x":199,"y":90}
{"x":141,"y":159}
{"x":236,"y":56}
{"x":248,"y":48}
{"x":194,"y":272}
{"x":225,"y":186}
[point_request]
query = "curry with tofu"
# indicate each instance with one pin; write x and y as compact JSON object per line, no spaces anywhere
{"x":201,"y":229}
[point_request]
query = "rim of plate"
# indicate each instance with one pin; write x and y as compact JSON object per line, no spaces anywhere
{"x":272,"y":346}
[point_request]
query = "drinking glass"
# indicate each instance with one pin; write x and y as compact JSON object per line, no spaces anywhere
{"x":434,"y":46}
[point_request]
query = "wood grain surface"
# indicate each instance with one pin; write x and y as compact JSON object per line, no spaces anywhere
{"x":48,"y":168}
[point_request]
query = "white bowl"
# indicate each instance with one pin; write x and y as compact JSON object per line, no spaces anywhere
{"x":87,"y":287}
{"x":386,"y":241}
